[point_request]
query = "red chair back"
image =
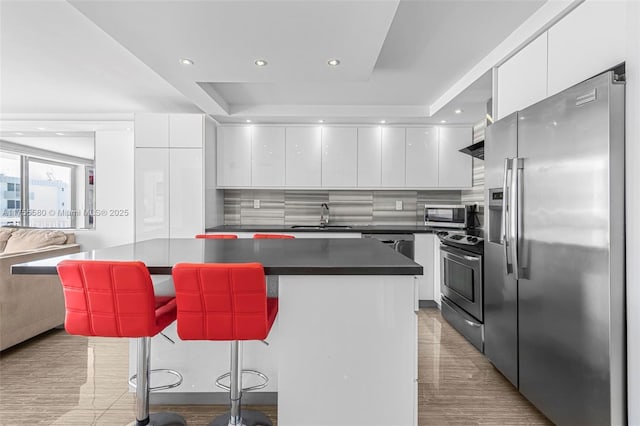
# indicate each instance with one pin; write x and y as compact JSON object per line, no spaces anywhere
{"x":273,"y":236}
{"x":218,"y":236}
{"x":223,"y":301}
{"x":112,"y":299}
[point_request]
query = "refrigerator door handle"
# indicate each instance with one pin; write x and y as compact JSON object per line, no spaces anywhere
{"x":505,"y":216}
{"x":519,"y":246}
{"x":515,"y":214}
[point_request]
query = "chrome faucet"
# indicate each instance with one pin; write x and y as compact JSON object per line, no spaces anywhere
{"x":324,"y":214}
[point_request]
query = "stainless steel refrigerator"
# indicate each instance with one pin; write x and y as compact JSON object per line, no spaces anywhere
{"x":554,"y":257}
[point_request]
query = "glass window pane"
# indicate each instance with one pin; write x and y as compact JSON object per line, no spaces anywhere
{"x":9,"y":189}
{"x":50,"y":195}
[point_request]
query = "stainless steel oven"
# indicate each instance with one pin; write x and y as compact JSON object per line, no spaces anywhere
{"x":461,"y":284}
{"x":461,"y":279}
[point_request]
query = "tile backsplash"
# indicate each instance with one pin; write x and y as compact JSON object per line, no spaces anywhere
{"x":298,"y":207}
{"x":291,"y":207}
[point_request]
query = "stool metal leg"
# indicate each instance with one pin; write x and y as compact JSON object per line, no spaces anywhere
{"x":142,"y":384}
{"x":237,"y":417}
{"x":142,"y":392}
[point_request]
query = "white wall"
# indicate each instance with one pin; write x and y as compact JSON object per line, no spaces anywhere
{"x":114,"y":191}
{"x":633,"y":205}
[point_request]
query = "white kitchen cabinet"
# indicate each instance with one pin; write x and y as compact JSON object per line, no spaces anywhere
{"x":151,"y":130}
{"x":234,"y":156}
{"x":522,"y":80}
{"x":169,"y":181}
{"x":339,"y":157}
{"x":186,"y":192}
{"x":268,"y":157}
{"x":586,"y":42}
{"x":455,"y":168}
{"x":369,"y":157}
{"x":186,"y":130}
{"x":303,"y":157}
{"x":422,"y":157}
{"x":424,"y":255}
{"x":393,"y":157}
{"x":152,"y":193}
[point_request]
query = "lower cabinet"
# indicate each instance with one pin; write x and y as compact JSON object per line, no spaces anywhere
{"x":424,"y":255}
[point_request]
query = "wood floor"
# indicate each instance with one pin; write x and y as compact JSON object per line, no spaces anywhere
{"x":57,"y":379}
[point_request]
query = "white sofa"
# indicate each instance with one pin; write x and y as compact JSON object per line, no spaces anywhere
{"x":30,"y":304}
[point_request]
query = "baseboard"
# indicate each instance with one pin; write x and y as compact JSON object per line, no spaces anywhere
{"x":211,"y":398}
{"x":427,"y":304}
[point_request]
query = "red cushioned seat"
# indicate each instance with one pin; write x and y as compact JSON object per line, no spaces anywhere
{"x":273,"y":236}
{"x":217,"y":236}
{"x":112,"y":299}
{"x":226,"y":301}
{"x":223,"y":301}
{"x":116,"y":299}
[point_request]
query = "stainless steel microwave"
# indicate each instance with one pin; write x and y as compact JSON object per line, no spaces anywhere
{"x":447,"y":216}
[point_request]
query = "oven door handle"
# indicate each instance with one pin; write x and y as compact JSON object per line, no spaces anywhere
{"x":472,"y":258}
{"x":471,"y":323}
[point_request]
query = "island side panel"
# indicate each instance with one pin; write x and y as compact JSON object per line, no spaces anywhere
{"x":347,"y":351}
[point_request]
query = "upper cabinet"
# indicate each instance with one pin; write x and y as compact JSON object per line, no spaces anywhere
{"x":393,"y":157}
{"x":151,"y":130}
{"x":343,"y":157}
{"x":522,"y":80}
{"x":422,"y":157}
{"x":234,"y":156}
{"x":303,"y":161}
{"x":369,"y":157}
{"x":588,"y":41}
{"x":268,"y":157}
{"x":456,"y":168}
{"x":339,"y":157}
{"x":186,"y":130}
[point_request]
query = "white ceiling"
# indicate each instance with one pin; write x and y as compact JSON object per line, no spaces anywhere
{"x":397,"y":58}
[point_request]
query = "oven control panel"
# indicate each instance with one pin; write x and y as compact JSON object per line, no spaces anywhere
{"x":459,"y":238}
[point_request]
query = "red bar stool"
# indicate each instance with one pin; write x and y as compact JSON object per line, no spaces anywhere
{"x":218,"y":236}
{"x":272,"y":236}
{"x":226,"y":302}
{"x":116,"y":299}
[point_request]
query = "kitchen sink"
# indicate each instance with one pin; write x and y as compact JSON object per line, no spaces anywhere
{"x":327,"y":227}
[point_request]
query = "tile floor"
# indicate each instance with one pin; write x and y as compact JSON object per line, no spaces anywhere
{"x":57,"y":379}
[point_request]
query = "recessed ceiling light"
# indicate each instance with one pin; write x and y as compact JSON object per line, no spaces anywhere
{"x":186,"y":61}
{"x":383,"y":121}
{"x":19,"y":133}
{"x":443,"y":121}
{"x":320,"y":121}
{"x":333,"y":62}
{"x":458,"y":111}
{"x":59,"y":133}
{"x":248,"y":121}
{"x":41,"y":128}
{"x":260,"y":63}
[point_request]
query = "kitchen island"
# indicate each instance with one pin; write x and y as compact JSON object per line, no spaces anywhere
{"x":343,"y":350}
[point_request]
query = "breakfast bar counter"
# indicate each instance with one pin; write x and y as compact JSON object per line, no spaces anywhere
{"x":343,"y":349}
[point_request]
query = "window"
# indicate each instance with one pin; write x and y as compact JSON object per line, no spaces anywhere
{"x":45,"y":189}
{"x":10,"y":177}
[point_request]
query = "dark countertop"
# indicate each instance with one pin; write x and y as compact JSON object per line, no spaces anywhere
{"x":321,"y":256}
{"x":373,"y":229}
